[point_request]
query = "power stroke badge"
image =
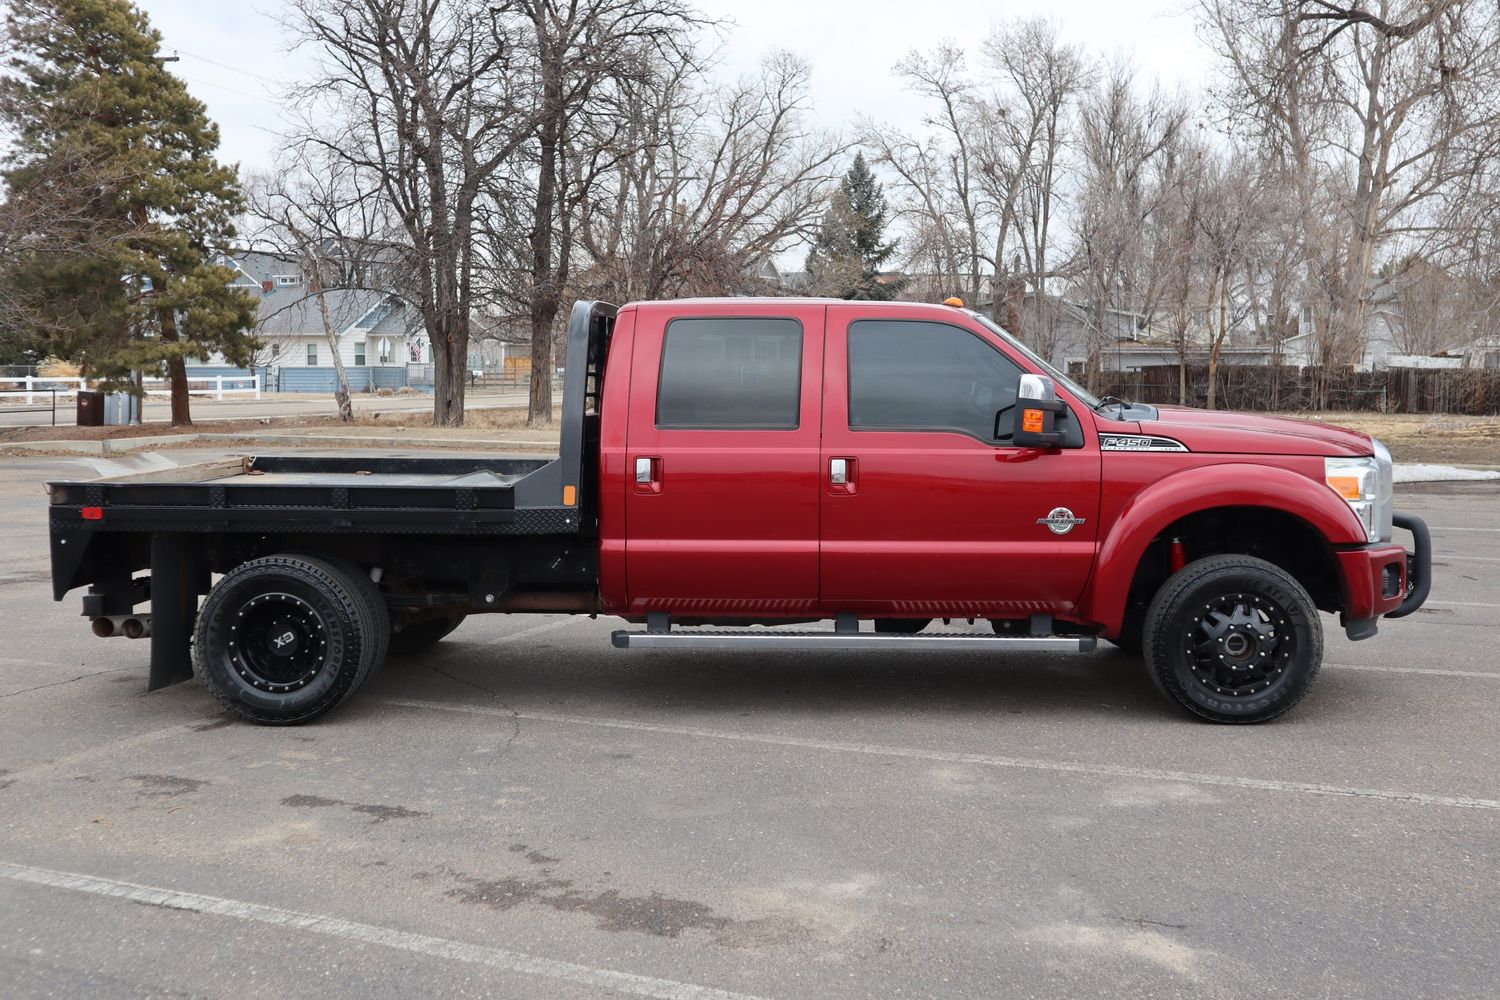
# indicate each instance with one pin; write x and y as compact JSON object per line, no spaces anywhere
{"x":1060,"y":520}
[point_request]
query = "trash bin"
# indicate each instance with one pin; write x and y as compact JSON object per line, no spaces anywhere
{"x":90,"y":408}
{"x":120,"y":409}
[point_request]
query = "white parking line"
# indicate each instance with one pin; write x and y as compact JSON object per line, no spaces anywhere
{"x":1462,"y":604}
{"x":1433,"y":671}
{"x":544,"y":627}
{"x":950,"y":757}
{"x":421,"y":944}
{"x":1449,"y":527}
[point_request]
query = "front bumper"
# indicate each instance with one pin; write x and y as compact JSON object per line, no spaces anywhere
{"x":1386,"y":579}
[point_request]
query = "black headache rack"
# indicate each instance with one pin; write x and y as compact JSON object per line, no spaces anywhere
{"x":343,"y":495}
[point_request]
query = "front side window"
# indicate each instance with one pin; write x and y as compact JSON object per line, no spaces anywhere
{"x":730,"y":374}
{"x":919,"y":376}
{"x":359,"y":354}
{"x":312,"y":354}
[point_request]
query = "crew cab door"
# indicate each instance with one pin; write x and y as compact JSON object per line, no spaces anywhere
{"x":722,"y":474}
{"x":924,"y":512}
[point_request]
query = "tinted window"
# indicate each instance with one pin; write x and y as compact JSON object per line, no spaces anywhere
{"x":730,"y":373}
{"x":926,"y":377}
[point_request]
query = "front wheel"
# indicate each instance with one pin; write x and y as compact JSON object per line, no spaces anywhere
{"x":1233,"y":639}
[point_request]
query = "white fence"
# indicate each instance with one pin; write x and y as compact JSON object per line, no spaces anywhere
{"x":217,"y":386}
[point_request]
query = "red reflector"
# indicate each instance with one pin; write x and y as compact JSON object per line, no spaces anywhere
{"x":93,"y":513}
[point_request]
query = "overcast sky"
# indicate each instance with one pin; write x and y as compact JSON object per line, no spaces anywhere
{"x":234,"y":56}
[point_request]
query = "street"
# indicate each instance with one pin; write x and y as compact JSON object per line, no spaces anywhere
{"x":525,"y":811}
{"x":15,"y":413}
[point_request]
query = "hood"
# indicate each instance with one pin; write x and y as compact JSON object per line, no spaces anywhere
{"x":1254,"y":434}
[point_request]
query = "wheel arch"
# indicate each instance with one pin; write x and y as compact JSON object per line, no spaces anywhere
{"x":1265,"y":511}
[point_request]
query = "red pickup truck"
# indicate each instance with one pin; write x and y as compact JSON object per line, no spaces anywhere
{"x":736,"y":463}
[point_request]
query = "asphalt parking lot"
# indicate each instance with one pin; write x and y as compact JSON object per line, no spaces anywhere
{"x":525,"y":811}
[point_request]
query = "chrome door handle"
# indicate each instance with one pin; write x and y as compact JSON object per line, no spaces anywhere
{"x":643,"y":471}
{"x":838,"y":471}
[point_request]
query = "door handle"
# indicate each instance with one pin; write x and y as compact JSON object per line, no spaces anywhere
{"x":648,"y":474}
{"x":843,"y":476}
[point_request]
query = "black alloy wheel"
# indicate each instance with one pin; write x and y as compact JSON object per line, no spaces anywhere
{"x":1233,"y":639}
{"x":284,"y":639}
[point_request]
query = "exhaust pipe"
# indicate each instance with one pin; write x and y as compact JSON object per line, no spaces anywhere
{"x":130,"y":626}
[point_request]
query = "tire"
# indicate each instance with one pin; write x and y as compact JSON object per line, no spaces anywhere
{"x":421,"y":635}
{"x":380,"y":614}
{"x":901,"y":626}
{"x":1233,"y":639}
{"x":238,"y":648}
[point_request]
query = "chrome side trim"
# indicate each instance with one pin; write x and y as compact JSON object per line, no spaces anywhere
{"x":1139,"y":442}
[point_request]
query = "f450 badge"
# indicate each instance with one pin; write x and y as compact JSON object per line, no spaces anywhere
{"x":1060,"y":520}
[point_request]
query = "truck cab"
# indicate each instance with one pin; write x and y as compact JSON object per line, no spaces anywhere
{"x":742,"y":462}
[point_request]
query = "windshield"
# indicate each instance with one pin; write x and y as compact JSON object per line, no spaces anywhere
{"x":1083,"y":396}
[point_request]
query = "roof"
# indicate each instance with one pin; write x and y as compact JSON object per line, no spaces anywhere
{"x":293,"y":310}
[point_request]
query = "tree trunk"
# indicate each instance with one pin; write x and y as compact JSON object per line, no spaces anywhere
{"x":450,"y":372}
{"x":341,"y":381}
{"x":176,"y":372}
{"x":544,"y":293}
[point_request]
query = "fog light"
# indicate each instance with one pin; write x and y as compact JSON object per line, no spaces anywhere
{"x":1390,"y":580}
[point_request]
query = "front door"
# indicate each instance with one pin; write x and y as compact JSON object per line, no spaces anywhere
{"x":722,"y":474}
{"x":924,"y":512}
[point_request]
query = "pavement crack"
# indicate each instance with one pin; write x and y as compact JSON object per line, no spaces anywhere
{"x":70,"y":680}
{"x":515,"y":717}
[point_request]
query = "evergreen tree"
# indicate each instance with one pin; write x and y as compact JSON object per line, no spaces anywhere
{"x":850,"y":246}
{"x":113,"y":165}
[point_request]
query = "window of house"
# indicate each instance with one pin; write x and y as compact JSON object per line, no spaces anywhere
{"x":730,"y":373}
{"x":917,"y":376}
{"x":275,"y":350}
{"x":359,"y":354}
{"x":288,"y":279}
{"x":312,"y":354}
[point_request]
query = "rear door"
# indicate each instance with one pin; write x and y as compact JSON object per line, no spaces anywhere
{"x":934,"y":516}
{"x":722,"y":474}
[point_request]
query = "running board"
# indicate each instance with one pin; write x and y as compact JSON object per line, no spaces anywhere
{"x":950,"y":641}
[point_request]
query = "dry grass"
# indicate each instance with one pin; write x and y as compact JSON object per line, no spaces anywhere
{"x":1425,"y":437}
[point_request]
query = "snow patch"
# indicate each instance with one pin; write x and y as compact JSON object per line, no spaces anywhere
{"x":1423,"y":473}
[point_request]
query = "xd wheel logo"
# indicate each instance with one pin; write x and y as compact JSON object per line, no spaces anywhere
{"x":1060,"y":520}
{"x":284,"y":639}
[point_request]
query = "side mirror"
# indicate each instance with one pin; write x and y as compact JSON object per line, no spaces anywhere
{"x":1037,"y":408}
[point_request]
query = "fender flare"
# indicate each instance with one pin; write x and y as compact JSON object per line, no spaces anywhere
{"x":1173,"y":497}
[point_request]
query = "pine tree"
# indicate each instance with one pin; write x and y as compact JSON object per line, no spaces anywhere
{"x":850,"y":246}
{"x":113,"y":163}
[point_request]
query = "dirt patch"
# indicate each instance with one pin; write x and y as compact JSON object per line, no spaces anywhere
{"x":380,"y":812}
{"x":157,"y":786}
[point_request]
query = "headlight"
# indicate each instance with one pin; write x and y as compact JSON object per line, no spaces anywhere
{"x":1361,"y":482}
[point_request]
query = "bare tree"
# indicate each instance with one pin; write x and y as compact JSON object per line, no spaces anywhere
{"x":424,"y":101}
{"x":724,"y":180}
{"x":1379,"y":111}
{"x":313,"y":214}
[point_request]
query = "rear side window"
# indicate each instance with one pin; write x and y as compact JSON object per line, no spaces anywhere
{"x":915,"y":376}
{"x":741,"y":373}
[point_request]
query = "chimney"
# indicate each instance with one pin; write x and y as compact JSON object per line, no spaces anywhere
{"x":266,"y":287}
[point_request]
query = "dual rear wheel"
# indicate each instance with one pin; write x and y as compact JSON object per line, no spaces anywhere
{"x":286,"y":638}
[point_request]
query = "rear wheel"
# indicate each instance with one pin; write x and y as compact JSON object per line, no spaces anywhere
{"x":1233,"y":639}
{"x":286,"y":638}
{"x":420,"y":635}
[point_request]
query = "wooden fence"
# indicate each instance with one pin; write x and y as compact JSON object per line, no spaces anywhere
{"x":1472,"y":391}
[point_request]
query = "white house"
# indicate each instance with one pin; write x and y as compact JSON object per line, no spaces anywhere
{"x":375,"y":329}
